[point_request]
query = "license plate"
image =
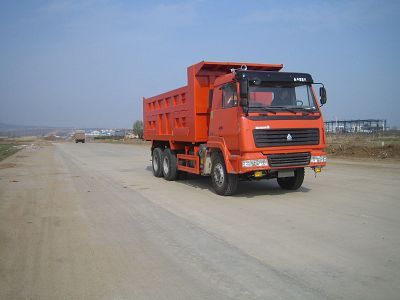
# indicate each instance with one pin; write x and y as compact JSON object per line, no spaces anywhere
{"x":285,"y":173}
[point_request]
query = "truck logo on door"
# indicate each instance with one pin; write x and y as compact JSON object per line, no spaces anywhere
{"x":289,"y":137}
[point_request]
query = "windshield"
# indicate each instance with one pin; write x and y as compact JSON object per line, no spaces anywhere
{"x":288,"y":96}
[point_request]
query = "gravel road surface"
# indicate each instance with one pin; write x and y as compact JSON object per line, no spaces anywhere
{"x":89,"y":221}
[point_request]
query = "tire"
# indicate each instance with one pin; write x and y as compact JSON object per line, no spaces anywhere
{"x":292,"y":183}
{"x":156,"y":159}
{"x":224,"y":184}
{"x":169,"y":165}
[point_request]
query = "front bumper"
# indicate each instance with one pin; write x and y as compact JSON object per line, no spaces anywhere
{"x":258,"y":161}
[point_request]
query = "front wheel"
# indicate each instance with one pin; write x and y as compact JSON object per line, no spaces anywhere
{"x":225,"y":184}
{"x":292,"y":183}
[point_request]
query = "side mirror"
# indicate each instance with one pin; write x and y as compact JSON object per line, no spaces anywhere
{"x":244,"y":89}
{"x":322,"y":94}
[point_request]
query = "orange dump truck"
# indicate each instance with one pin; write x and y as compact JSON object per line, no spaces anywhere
{"x":237,"y":121}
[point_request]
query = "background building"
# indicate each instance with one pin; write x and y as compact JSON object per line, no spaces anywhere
{"x":369,"y":125}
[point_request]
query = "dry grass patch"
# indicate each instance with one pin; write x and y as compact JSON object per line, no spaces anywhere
{"x":371,"y":146}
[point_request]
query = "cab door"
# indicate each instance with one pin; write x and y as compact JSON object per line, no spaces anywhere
{"x":224,"y":115}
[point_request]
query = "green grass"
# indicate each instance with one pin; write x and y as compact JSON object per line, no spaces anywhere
{"x":7,"y":150}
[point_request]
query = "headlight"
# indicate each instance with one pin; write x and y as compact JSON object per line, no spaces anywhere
{"x":254,"y":163}
{"x":318,"y":159}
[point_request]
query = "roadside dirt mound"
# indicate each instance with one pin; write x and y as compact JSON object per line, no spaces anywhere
{"x":390,"y":151}
{"x":364,"y":146}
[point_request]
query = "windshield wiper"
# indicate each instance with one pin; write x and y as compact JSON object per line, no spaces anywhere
{"x":264,"y":108}
{"x":307,"y":110}
{"x":283,"y":108}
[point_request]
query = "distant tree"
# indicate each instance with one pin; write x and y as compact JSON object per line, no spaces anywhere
{"x":138,"y":128}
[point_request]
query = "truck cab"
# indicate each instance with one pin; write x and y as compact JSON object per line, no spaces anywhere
{"x":270,"y":123}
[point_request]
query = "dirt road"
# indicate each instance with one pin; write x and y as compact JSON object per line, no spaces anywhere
{"x":89,"y":221}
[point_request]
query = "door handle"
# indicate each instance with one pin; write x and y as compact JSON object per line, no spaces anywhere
{"x":220,"y":127}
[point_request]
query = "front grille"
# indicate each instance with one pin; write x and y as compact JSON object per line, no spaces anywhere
{"x":288,"y":160}
{"x":285,"y":137}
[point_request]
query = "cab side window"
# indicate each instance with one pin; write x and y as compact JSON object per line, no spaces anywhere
{"x":229,"y":95}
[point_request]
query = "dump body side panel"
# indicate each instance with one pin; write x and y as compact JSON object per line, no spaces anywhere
{"x":169,"y":116}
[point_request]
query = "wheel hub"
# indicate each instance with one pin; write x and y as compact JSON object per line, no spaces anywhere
{"x":166,"y":165}
{"x":219,"y":176}
{"x":155,"y":163}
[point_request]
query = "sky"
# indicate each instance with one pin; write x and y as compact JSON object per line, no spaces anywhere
{"x":88,"y":63}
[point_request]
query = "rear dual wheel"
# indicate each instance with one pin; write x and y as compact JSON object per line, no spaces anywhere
{"x":156,"y":162}
{"x":170,"y":166}
{"x":164,"y":163}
